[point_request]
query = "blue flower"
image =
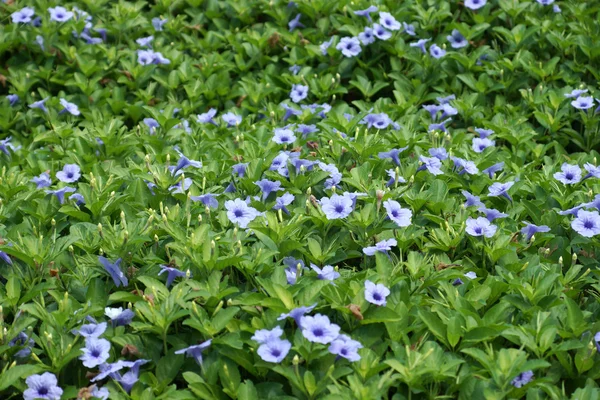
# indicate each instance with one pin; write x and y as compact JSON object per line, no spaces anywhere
{"x":575,"y":93}
{"x":438,"y":152}
{"x":114,"y":270}
{"x":275,"y":350}
{"x":336,"y":206}
{"x":145,"y":41}
{"x":463,"y":166}
{"x":480,"y":227}
{"x":297,"y":313}
{"x":262,"y":336}
{"x":152,"y":124}
{"x":384,"y":246}
{"x":90,"y":330}
{"x":44,"y":386}
{"x":95,"y":352}
{"x":436,"y":52}
{"x":457,"y":40}
{"x":298,"y":93}
{"x":22,"y":340}
{"x":284,"y":136}
{"x":240,"y":213}
{"x":207,"y":117}
{"x":445,"y":100}
{"x":60,"y":193}
{"x":583,"y":103}
{"x":294,"y":267}
{"x":593,"y":171}
{"x":587,"y":223}
{"x":327,"y":273}
{"x":267,"y":187}
{"x":376,"y":293}
{"x":207,"y":199}
{"x":195,"y":351}
{"x":78,"y":198}
{"x":172,"y":273}
{"x":388,"y":21}
{"x":239,"y":169}
{"x":475,"y":4}
{"x":158,"y":23}
{"x":283,"y":201}
{"x":491,"y":213}
{"x":367,"y":36}
{"x":484,"y":133}
{"x":409,"y":29}
{"x":491,"y":171}
{"x":181,"y":186}
{"x":324,"y":46}
{"x":40,"y":104}
{"x":395,"y":212}
{"x":479,"y":144}
{"x":349,"y":46}
{"x":569,"y":175}
{"x":420,"y":44}
{"x":69,"y":174}
{"x":432,"y":164}
{"x":305,"y":130}
{"x":524,"y":377}
{"x":12,"y":99}
{"x":500,"y":189}
{"x":60,"y":14}
{"x":289,"y":111}
{"x":530,"y":229}
{"x":439,"y":126}
{"x":344,"y":346}
{"x":381,"y":33}
{"x":471,"y":199}
{"x":392,"y":154}
{"x":294,"y":69}
{"x":366,"y":12}
{"x":5,"y":145}
{"x":118,"y":316}
{"x":318,"y":329}
{"x":295,"y":23}
{"x":23,"y":16}
{"x":433,"y":110}
{"x":231,"y":119}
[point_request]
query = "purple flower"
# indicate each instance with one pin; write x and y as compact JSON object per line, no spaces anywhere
{"x":298,"y":93}
{"x":60,"y":193}
{"x":118,"y":316}
{"x":239,"y":169}
{"x":382,"y":246}
{"x":152,"y":124}
{"x":479,"y":145}
{"x":445,"y":100}
{"x":583,"y":103}
{"x":181,"y":186}
{"x":569,"y":175}
{"x":294,"y":69}
{"x":366,"y":12}
{"x":318,"y":329}
{"x":382,"y":121}
{"x":283,"y":201}
{"x":327,"y":273}
{"x":336,"y":206}
{"x":493,"y":169}
{"x":420,"y":44}
{"x":305,"y":130}
{"x":344,"y":346}
{"x":471,"y":199}
{"x":475,"y":4}
{"x":185,"y":162}
{"x":587,"y":223}
{"x":457,"y":40}
{"x":592,"y":170}
{"x":447,"y":110}
{"x":524,"y":377}
{"x":231,"y":119}
{"x":60,"y":14}
{"x":195,"y":351}
{"x":409,"y":29}
{"x":12,"y":99}
{"x":392,"y":174}
{"x":90,"y":330}
{"x":100,"y":393}
{"x":545,"y":2}
{"x":376,"y":294}
{"x":349,"y":46}
{"x":484,"y":133}
{"x":5,"y":145}
{"x":388,"y":21}
{"x":78,"y":198}
{"x":439,"y":126}
{"x":367,"y":36}
{"x":297,"y":313}
{"x":436,"y":52}
{"x":438,"y":152}
{"x":145,"y":57}
{"x":325,"y":45}
{"x":145,"y":41}
{"x":264,"y":335}
{"x":294,"y":267}
{"x":500,"y":189}
{"x":207,"y":199}
{"x":40,"y":104}
{"x":295,"y":23}
{"x":207,"y":117}
{"x":395,"y":212}
{"x":463,"y":166}
{"x":267,"y":187}
{"x":392,"y":154}
{"x":22,"y":16}
{"x":433,"y":110}
{"x":471,"y":275}
{"x":172,"y":273}
{"x":95,"y":352}
{"x":381,"y":33}
{"x":597,"y":340}
{"x":530,"y":229}
{"x":274,"y":350}
{"x":22,"y":340}
{"x":491,"y":213}
{"x":432,"y":164}
{"x":240,"y":213}
{"x":575,"y":93}
{"x":158,"y":23}
{"x":557,"y":9}
{"x":284,"y":136}
{"x":289,"y":111}
{"x":480,"y":227}
{"x":457,"y":282}
{"x":114,"y":270}
{"x":44,"y":386}
{"x":69,"y":174}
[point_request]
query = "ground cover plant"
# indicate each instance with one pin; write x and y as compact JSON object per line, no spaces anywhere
{"x":314,"y":199}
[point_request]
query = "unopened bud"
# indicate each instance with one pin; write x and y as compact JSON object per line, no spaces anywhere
{"x":574,"y":258}
{"x":296,"y":360}
{"x":53,"y":222}
{"x":560,"y":260}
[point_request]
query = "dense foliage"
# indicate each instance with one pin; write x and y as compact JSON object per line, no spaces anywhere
{"x":256,"y":199}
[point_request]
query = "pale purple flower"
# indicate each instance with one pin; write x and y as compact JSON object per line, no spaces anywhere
{"x":381,"y":33}
{"x":318,"y":329}
{"x":294,"y":267}
{"x":298,"y":93}
{"x":185,"y":162}
{"x":433,"y":110}
{"x":294,"y":69}
{"x":145,"y":57}
{"x":207,"y":199}
{"x":583,"y":103}
{"x":231,"y":119}
{"x":289,"y":111}
{"x":305,"y":130}
{"x":12,"y":99}
{"x":275,"y":350}
{"x":383,"y":121}
{"x":376,"y":293}
{"x":145,"y":41}
{"x":367,"y":36}
{"x":44,"y":386}
{"x":118,"y":316}
{"x":475,"y":4}
{"x":207,"y":117}
{"x":471,"y":275}
{"x":158,"y":23}
{"x":530,"y":229}
{"x":392,"y":174}
{"x":323,"y":47}
{"x":366,"y":12}
{"x":336,"y":206}
{"x":395,"y":212}
{"x":297,"y":313}
{"x":195,"y":351}
{"x":283,"y":201}
{"x":353,"y":196}
{"x":100,"y":393}
{"x":484,"y":133}
{"x":587,"y":223}
{"x":77,"y":198}
{"x":573,"y":210}
{"x":344,"y":346}
{"x":556,"y":9}
{"x":239,"y":169}
{"x":445,"y":100}
{"x":597,"y":340}
{"x":500,"y":189}
{"x":327,"y":273}
{"x":457,"y":282}
{"x":5,"y":145}
{"x":463,"y":166}
{"x":60,"y":14}
{"x":295,"y":23}
{"x":491,"y":171}
{"x":420,"y":44}
{"x":382,"y":246}
{"x":267,"y":187}
{"x":114,"y":270}
{"x":569,"y":175}
{"x":545,"y":2}
{"x":90,"y":330}
{"x":22,"y":16}
{"x":575,"y":93}
{"x":392,"y":154}
{"x":129,"y":379}
{"x":441,"y":126}
{"x":95,"y":352}
{"x":69,"y":174}
{"x":152,"y":124}
{"x":181,"y":186}
{"x":524,"y":377}
{"x":349,"y":46}
{"x":240,"y":213}
{"x":60,"y":193}
{"x":471,"y":199}
{"x":388,"y":21}
{"x":24,"y":341}
{"x":480,"y":227}
{"x":447,"y":110}
{"x":432,"y":164}
{"x":284,"y":136}
{"x":172,"y":273}
{"x":593,"y":171}
{"x":438,"y":152}
{"x":264,"y":335}
{"x":491,"y":213}
{"x":40,"y":105}
{"x":436,"y":52}
{"x":479,"y":144}
{"x":409,"y":29}
{"x":457,"y":40}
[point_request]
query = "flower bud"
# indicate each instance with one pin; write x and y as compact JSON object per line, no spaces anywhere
{"x":560,"y":260}
{"x":574,"y":258}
